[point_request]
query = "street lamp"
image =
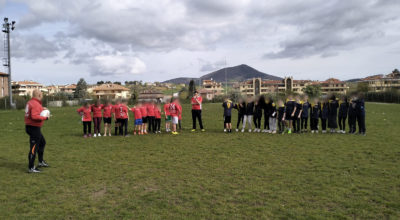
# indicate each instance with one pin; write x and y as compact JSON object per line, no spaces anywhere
{"x":7,"y":61}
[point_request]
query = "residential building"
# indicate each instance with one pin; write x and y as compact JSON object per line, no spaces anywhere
{"x":213,"y":87}
{"x":257,"y":86}
{"x":150,"y":95}
{"x":110,"y":91}
{"x":381,"y":83}
{"x":3,"y":84}
{"x":70,"y":89}
{"x":24,"y":88}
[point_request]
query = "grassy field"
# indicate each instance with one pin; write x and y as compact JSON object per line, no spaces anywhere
{"x":209,"y":175}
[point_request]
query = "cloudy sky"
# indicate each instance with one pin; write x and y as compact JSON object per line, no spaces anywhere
{"x":57,"y":41}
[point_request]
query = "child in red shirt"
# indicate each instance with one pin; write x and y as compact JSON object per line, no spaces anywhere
{"x":150,"y":117}
{"x":116,"y":116}
{"x":157,"y":113}
{"x":124,"y":118}
{"x":167,"y":117}
{"x":96,"y":109}
{"x":107,"y":115}
{"x":143,"y":110}
{"x":138,"y":119}
{"x":174,"y":111}
{"x":86,"y":113}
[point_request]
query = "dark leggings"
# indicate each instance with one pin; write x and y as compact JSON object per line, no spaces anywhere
{"x":257,"y":121}
{"x":123,"y":126}
{"x":87,"y":127}
{"x":37,"y":144}
{"x":197,"y":114}
{"x":342,"y":123}
{"x":281,"y":126}
{"x":304,"y":123}
{"x":296,"y":124}
{"x":361,"y":122}
{"x":352,"y":124}
{"x":151,"y":125}
{"x":266,"y":121}
{"x":97,"y":123}
{"x":323,"y":120}
{"x":314,"y":124}
{"x":240,"y":119}
{"x":158,"y":124}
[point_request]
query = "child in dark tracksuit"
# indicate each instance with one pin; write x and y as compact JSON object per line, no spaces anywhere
{"x":297,"y":116}
{"x":281,"y":112}
{"x":332,"y":114}
{"x":352,"y":116}
{"x":315,"y":112}
{"x":258,"y":108}
{"x":360,"y":115}
{"x":272,"y":118}
{"x":343,"y":109}
{"x":241,"y":112}
{"x":324,"y":115}
{"x":304,"y":115}
{"x":267,"y":113}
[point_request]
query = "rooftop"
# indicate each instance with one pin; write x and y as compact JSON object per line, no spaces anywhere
{"x":104,"y":87}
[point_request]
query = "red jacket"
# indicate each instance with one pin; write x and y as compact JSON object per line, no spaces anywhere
{"x":32,"y":113}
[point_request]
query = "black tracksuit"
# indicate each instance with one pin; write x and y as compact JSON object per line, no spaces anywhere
{"x":304,"y":115}
{"x":315,"y":112}
{"x":267,"y":114}
{"x":296,"y":119}
{"x":332,"y":114}
{"x":37,"y":144}
{"x":352,"y":117}
{"x":343,"y":109}
{"x":324,"y":115}
{"x":360,"y":115}
{"x":241,"y":113}
{"x":123,"y":126}
{"x":258,"y":109}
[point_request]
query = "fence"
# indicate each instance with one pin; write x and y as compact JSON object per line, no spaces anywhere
{"x":388,"y":97}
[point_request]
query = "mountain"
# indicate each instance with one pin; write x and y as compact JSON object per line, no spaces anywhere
{"x":180,"y":80}
{"x":233,"y":74}
{"x":238,"y":74}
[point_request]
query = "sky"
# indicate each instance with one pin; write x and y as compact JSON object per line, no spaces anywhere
{"x":58,"y":42}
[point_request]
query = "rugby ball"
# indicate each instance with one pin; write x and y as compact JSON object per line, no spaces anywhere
{"x":45,"y":113}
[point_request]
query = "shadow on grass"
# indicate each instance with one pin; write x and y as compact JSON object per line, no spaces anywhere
{"x":4,"y":163}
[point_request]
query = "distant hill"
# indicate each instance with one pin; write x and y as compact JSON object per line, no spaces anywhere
{"x":353,"y":80}
{"x":180,"y":80}
{"x":233,"y":74}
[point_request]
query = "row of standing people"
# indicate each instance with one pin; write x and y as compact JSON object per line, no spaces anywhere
{"x":147,"y":117}
{"x":294,"y":115}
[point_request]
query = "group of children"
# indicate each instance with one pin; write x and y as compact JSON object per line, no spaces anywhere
{"x":292,"y":116}
{"x":147,"y":117}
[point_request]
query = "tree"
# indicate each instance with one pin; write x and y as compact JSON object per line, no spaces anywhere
{"x":312,"y":90}
{"x":362,"y":87}
{"x":119,"y":83}
{"x":192,"y":88}
{"x":100,"y":82}
{"x":396,"y":71}
{"x":108,"y":82}
{"x":81,"y":89}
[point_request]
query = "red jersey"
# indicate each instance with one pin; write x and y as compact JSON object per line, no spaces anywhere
{"x":116,"y":110}
{"x":166,"y":109}
{"x":195,"y":105}
{"x":123,"y":111}
{"x":107,"y":111}
{"x":86,"y":113}
{"x":157,"y":112}
{"x":32,"y":113}
{"x":173,"y":109}
{"x":143,"y":109}
{"x":137,"y":113}
{"x":96,"y":109}
{"x":180,"y":112}
{"x":150,"y":110}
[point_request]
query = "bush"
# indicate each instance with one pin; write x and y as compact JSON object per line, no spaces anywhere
{"x":388,"y":96}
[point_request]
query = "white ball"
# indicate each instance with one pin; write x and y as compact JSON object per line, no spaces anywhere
{"x":45,"y":113}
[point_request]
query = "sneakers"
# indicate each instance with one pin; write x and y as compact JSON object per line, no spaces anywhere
{"x":312,"y":131}
{"x":85,"y":136}
{"x":225,"y":130}
{"x":193,"y":130}
{"x":237,"y":130}
{"x":290,"y":131}
{"x":99,"y":134}
{"x":109,"y":134}
{"x":249,"y":130}
{"x":323,"y":131}
{"x":33,"y":170}
{"x":203,"y":130}
{"x":94,"y":135}
{"x":273,"y":132}
{"x":43,"y":164}
{"x":242,"y":130}
{"x":174,"y":133}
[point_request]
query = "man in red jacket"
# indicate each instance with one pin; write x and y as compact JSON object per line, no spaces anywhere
{"x":33,"y":123}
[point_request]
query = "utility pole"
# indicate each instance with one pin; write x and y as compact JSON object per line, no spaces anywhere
{"x":7,"y":26}
{"x":226,"y":80}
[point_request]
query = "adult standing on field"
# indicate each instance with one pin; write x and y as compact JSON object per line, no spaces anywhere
{"x":196,"y":110}
{"x":33,"y":123}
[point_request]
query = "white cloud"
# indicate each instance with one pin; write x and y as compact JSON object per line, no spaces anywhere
{"x":116,"y":65}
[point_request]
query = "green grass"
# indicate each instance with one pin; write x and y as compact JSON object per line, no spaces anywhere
{"x":203,"y":175}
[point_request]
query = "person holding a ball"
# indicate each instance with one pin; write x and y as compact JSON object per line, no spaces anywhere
{"x":35,"y":115}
